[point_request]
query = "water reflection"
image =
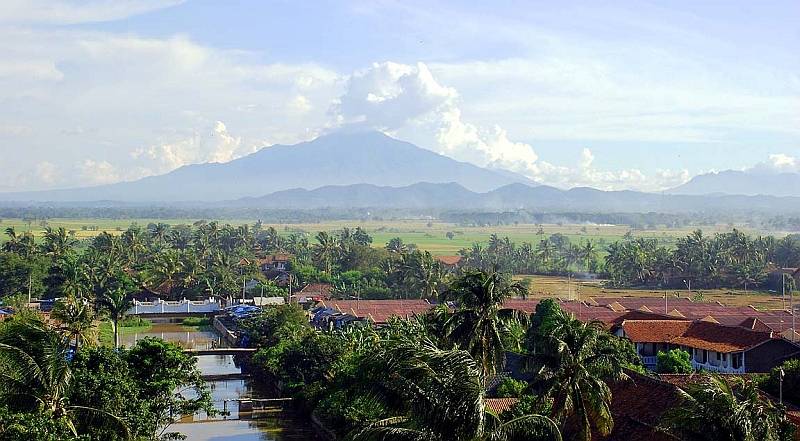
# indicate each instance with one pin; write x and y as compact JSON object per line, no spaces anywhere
{"x":261,"y":423}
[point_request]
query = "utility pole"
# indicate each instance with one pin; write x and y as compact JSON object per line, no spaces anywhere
{"x":783,"y":289}
{"x":30,"y":287}
{"x":780,"y":388}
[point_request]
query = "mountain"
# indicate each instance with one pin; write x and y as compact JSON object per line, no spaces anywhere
{"x":452,"y":196}
{"x":749,"y":182}
{"x":334,"y":159}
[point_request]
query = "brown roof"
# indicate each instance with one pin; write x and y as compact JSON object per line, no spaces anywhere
{"x":449,"y":260}
{"x":500,"y":405}
{"x":637,"y":406}
{"x":317,"y":289}
{"x":277,"y":257}
{"x":697,"y":334}
{"x":777,"y":320}
{"x":379,"y":311}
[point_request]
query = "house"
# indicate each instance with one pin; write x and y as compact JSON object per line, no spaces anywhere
{"x":449,"y":262}
{"x":377,"y":312}
{"x":275,"y":267}
{"x":637,"y":406}
{"x":712,"y":346}
{"x":274,"y":262}
{"x":318,"y":291}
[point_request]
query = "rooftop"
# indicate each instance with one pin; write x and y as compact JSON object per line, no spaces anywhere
{"x":696,"y":334}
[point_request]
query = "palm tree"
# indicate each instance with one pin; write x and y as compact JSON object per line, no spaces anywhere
{"x":438,"y":395}
{"x":325,"y":250}
{"x":77,"y":320}
{"x":589,"y":253}
{"x":480,"y":323}
{"x":115,"y":303}
{"x":720,"y":410}
{"x":57,"y":242}
{"x":573,"y":361}
{"x":36,"y":373}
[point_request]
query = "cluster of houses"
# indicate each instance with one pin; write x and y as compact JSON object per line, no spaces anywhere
{"x":718,"y":338}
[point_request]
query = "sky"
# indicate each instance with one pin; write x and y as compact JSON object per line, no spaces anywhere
{"x":610,"y":94}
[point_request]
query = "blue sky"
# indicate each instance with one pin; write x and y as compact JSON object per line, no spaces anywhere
{"x":624,"y":94}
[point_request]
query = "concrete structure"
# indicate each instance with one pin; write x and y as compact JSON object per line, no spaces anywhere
{"x":183,"y":307}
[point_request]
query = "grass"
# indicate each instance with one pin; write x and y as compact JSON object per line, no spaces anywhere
{"x":562,"y":287}
{"x":197,"y":322}
{"x":130,"y":325}
{"x":430,"y":236}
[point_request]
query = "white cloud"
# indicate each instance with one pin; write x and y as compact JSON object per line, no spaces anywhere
{"x":46,"y":172}
{"x":163,"y":98}
{"x":76,"y":11}
{"x":409,"y":102}
{"x":778,"y":163}
{"x":215,"y":145}
{"x":98,"y":172}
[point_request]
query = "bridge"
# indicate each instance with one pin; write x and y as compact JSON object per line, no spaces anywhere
{"x":220,"y":351}
{"x":225,"y":377}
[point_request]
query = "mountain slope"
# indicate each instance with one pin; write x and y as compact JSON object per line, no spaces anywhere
{"x":335,"y":159}
{"x":742,"y":182}
{"x":452,"y":196}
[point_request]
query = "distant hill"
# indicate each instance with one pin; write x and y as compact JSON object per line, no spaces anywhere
{"x":742,"y":182}
{"x":334,"y":159}
{"x":511,"y":197}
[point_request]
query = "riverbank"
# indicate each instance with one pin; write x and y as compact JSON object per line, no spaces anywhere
{"x":131,"y":325}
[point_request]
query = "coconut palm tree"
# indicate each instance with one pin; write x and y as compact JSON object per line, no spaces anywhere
{"x":77,"y":320}
{"x":726,"y":410}
{"x":589,"y":253}
{"x":325,"y":250}
{"x":480,"y":322}
{"x":438,"y":395}
{"x":573,"y":362}
{"x":57,"y":242}
{"x":115,"y":303}
{"x":36,"y":374}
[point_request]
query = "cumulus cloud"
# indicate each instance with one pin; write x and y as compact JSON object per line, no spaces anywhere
{"x":216,"y":145}
{"x":98,"y":172}
{"x":409,"y":102}
{"x":778,"y":163}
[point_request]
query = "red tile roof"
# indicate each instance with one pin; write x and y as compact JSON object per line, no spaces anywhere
{"x":449,"y":260}
{"x":500,"y":405}
{"x":637,"y":406}
{"x":697,"y":334}
{"x":379,"y":311}
{"x":317,"y":289}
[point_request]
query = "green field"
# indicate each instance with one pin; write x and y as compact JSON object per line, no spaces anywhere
{"x":430,"y":236}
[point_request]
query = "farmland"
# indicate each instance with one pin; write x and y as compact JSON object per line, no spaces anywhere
{"x":564,"y":288}
{"x":427,"y":235}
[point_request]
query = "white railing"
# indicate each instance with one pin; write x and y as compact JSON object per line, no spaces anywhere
{"x":724,"y":369}
{"x":183,"y":306}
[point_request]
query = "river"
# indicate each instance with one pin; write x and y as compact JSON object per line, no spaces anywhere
{"x":269,"y":424}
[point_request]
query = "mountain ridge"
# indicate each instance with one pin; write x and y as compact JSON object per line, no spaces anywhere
{"x":742,"y":182}
{"x":333,"y":159}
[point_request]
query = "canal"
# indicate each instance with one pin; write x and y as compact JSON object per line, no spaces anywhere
{"x":270,"y":423}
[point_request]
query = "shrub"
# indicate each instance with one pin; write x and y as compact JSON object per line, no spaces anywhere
{"x":676,"y":361}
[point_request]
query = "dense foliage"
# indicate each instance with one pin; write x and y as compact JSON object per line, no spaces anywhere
{"x":675,"y":361}
{"x":50,"y":393}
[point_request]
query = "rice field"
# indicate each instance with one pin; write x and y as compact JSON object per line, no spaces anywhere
{"x":427,"y":235}
{"x":575,"y":289}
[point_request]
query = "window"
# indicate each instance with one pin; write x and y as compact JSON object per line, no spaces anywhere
{"x":736,"y":360}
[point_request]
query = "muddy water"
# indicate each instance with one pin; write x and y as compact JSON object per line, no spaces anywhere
{"x":260,"y":424}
